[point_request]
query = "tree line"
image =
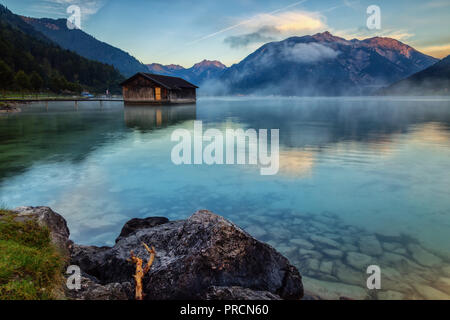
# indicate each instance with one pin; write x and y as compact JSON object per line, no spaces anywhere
{"x":32,"y":65}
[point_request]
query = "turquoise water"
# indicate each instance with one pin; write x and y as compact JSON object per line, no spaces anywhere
{"x":361,"y":181}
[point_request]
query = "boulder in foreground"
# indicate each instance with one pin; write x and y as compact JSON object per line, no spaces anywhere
{"x":205,"y":256}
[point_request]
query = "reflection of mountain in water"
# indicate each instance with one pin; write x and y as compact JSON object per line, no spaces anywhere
{"x":150,"y":117}
{"x":322,"y":122}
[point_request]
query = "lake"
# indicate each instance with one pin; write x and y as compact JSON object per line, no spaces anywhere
{"x":361,"y":181}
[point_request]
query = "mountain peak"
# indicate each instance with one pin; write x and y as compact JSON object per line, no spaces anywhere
{"x":209,"y":63}
{"x":384,"y":42}
{"x":388,"y":44}
{"x":326,"y":36}
{"x":174,"y":67}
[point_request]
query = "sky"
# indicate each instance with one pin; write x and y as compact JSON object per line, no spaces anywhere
{"x":186,"y":32}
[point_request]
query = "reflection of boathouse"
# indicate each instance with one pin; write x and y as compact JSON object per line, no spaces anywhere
{"x":153,"y":88}
{"x":151,"y":117}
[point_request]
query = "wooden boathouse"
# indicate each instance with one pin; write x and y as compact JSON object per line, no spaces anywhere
{"x":159,"y":89}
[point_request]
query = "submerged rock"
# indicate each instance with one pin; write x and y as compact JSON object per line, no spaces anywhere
{"x":256,"y":231}
{"x":370,"y":246}
{"x":446,"y":270}
{"x":324,"y":241}
{"x":313,"y":264}
{"x":348,"y":275}
{"x":302,"y":243}
{"x":333,"y":253}
{"x":423,"y":257}
{"x":430,"y":293}
{"x":329,"y":290}
{"x":358,"y":260}
{"x":392,"y":246}
{"x":238,"y":293}
{"x":305,"y":254}
{"x":326,"y":267}
{"x":390,"y":295}
{"x":192,"y":256}
{"x":444,"y":284}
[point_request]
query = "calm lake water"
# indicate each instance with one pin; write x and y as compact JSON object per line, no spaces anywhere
{"x":362,"y":181}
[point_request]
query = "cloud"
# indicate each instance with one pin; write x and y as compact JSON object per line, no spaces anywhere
{"x":296,"y":53}
{"x":438,"y":51}
{"x":245,"y":22}
{"x":288,"y":22}
{"x":268,"y":27}
{"x":309,"y":52}
{"x":247,"y":39}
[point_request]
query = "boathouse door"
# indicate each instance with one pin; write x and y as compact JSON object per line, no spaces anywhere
{"x":157,"y":94}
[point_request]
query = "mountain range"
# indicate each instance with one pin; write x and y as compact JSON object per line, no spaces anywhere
{"x":85,"y":45}
{"x":198,"y":74}
{"x":89,"y":47}
{"x":323,"y":64}
{"x":320,"y":64}
{"x":434,"y":80}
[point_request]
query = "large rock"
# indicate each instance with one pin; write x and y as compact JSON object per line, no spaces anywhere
{"x":46,"y":217}
{"x":137,"y":224}
{"x":194,"y":255}
{"x":91,"y":290}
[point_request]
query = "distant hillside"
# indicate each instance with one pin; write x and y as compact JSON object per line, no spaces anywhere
{"x":197,"y":74}
{"x":322,"y":64}
{"x":434,"y":80}
{"x":30,"y":61}
{"x":85,"y":45}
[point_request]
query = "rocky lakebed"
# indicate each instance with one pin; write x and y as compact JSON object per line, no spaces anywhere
{"x":209,"y":257}
{"x":333,"y":258}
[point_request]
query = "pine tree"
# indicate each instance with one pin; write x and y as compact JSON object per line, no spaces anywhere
{"x":6,"y":75}
{"x":36,"y":81}
{"x":21,"y":81}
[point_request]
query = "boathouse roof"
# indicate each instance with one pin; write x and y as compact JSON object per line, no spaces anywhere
{"x":171,"y":83}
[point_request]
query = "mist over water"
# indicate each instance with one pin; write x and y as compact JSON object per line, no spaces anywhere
{"x":370,"y":174}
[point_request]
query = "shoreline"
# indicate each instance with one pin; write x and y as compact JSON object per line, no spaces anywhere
{"x":9,"y":108}
{"x":58,"y":99}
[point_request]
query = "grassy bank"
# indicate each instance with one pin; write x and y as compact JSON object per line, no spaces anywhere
{"x":30,"y":266}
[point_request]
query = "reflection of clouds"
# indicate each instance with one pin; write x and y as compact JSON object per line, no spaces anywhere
{"x":362,"y":151}
{"x":83,"y":213}
{"x":296,"y":163}
{"x":431,"y":134}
